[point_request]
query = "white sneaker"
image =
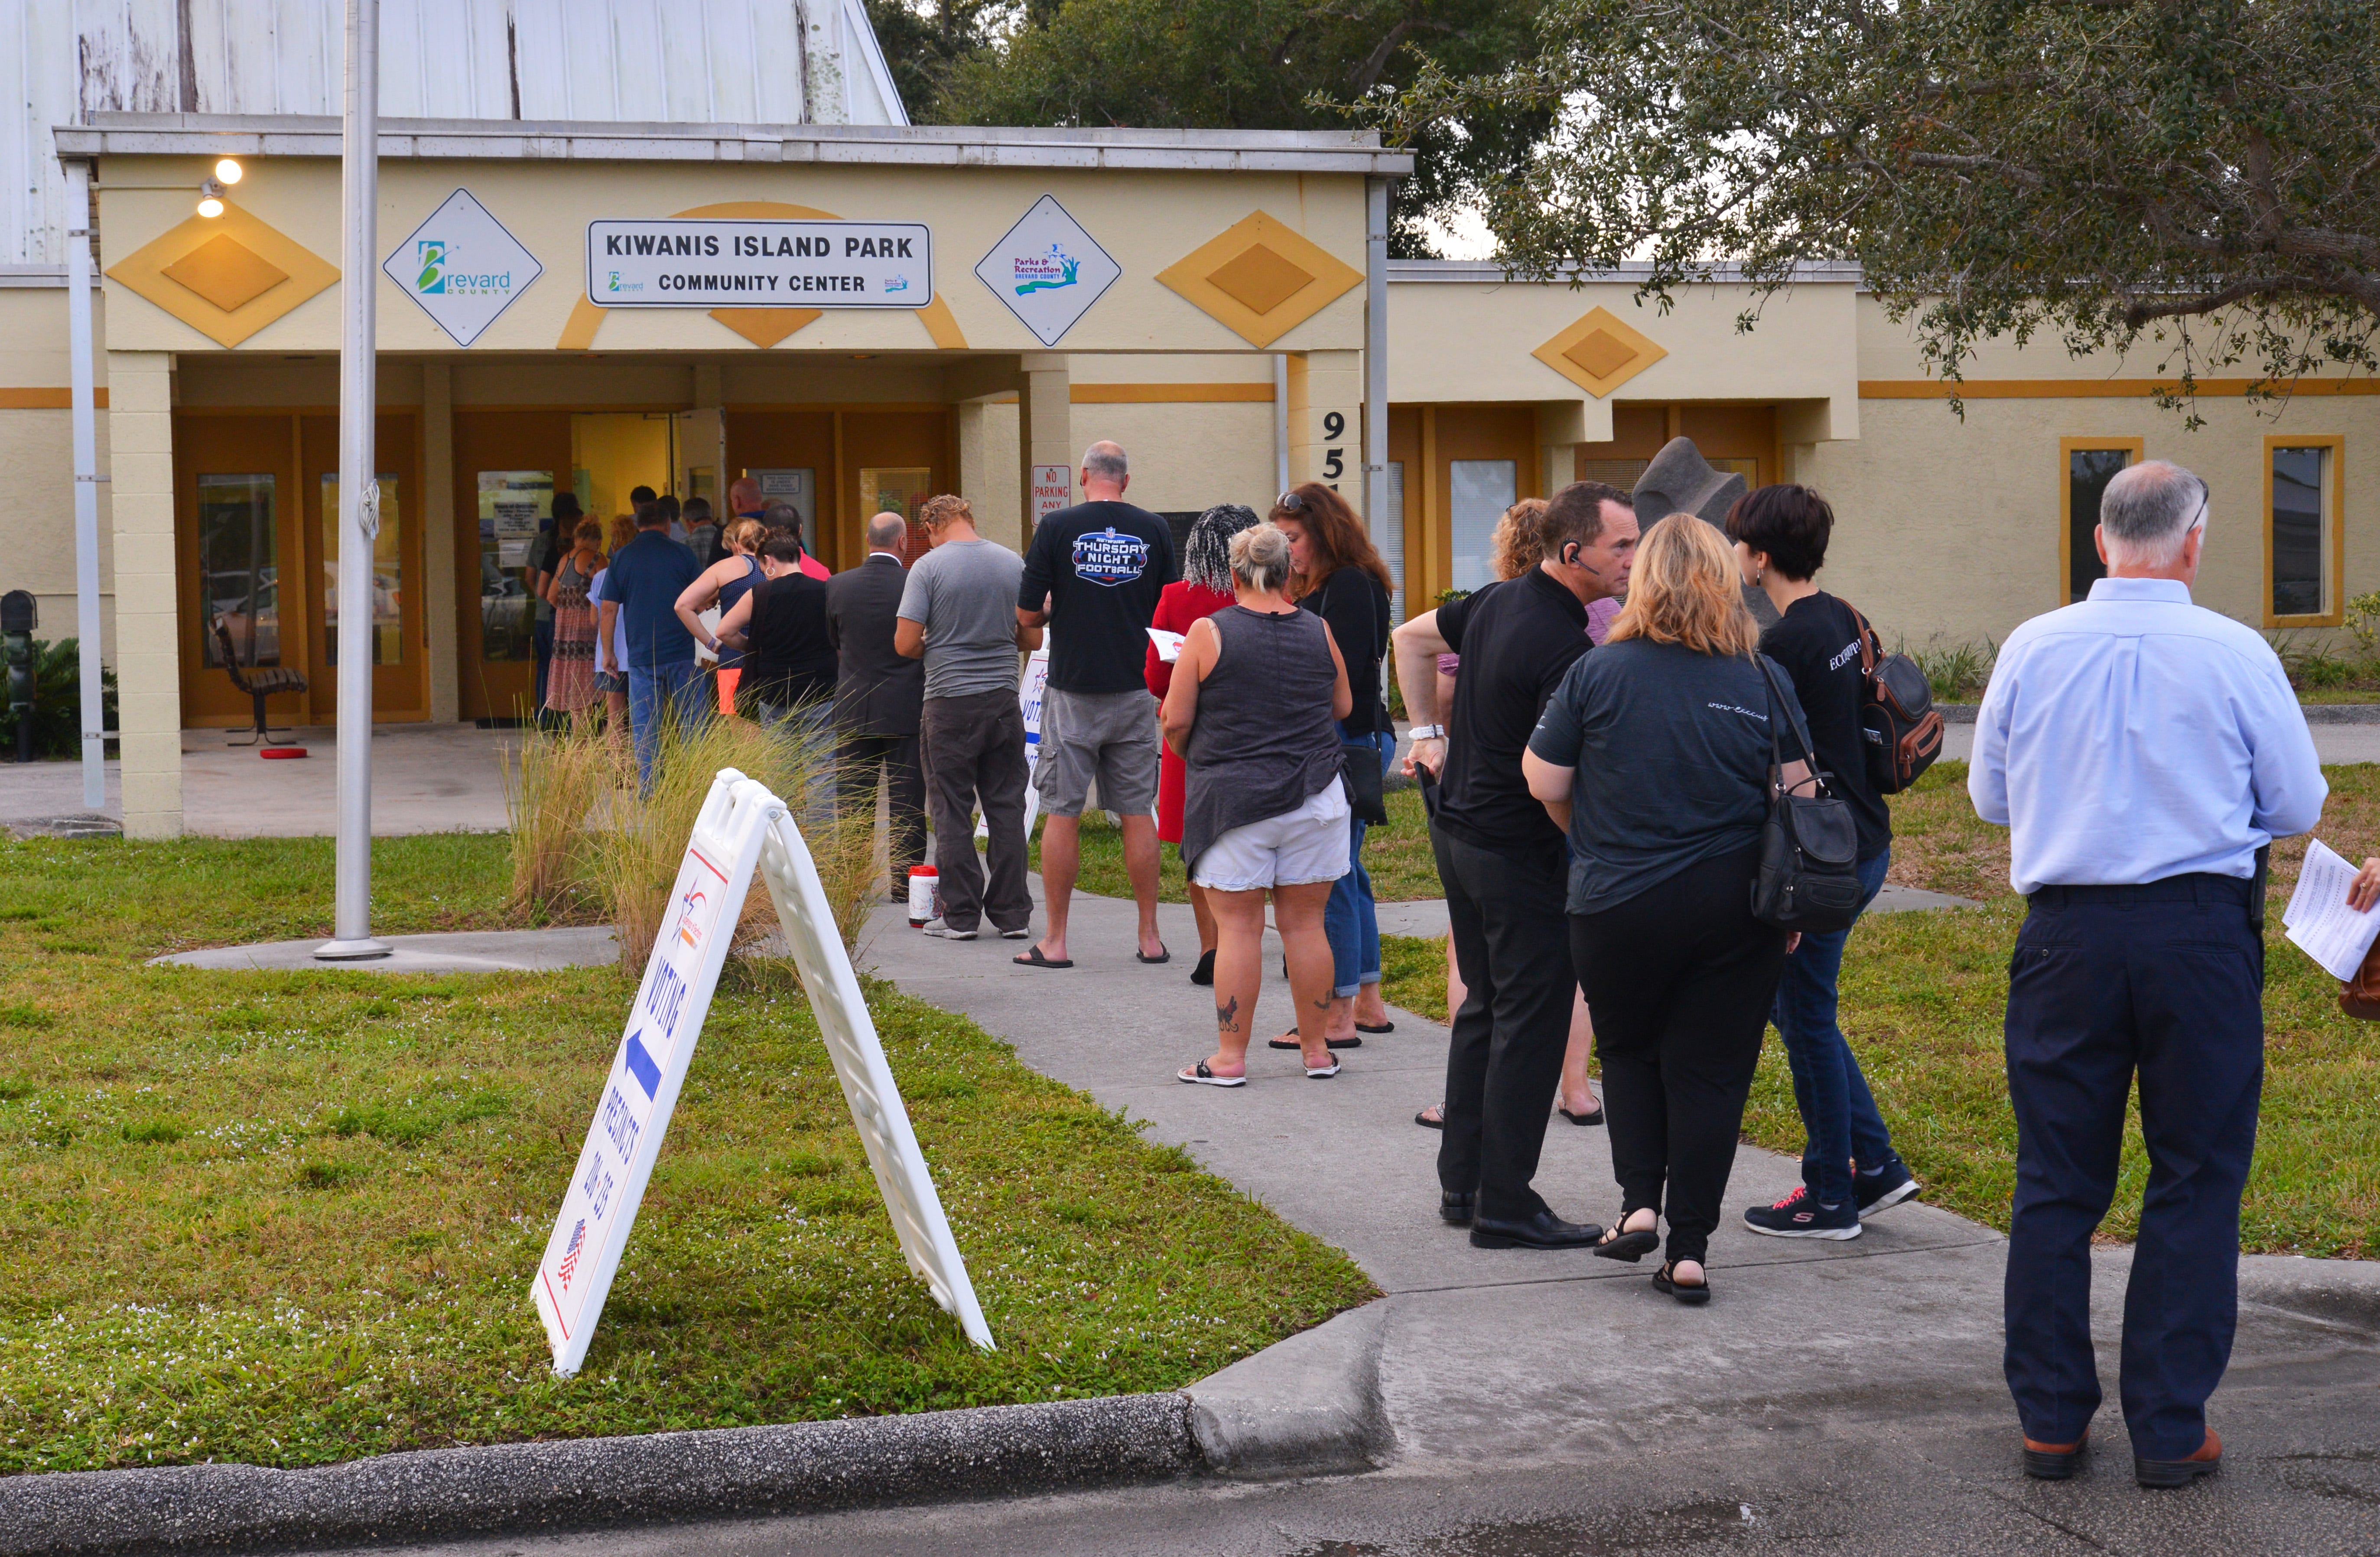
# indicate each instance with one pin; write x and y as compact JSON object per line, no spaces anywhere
{"x":943,"y":930}
{"x":1021,"y":932}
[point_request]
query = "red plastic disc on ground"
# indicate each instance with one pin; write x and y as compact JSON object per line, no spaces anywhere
{"x":272,"y":752}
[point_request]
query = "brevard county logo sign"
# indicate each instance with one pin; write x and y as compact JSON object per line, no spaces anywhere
{"x":1047,"y":270}
{"x":462,"y":267}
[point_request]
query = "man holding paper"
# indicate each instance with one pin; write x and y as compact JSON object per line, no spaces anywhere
{"x":2143,"y":752}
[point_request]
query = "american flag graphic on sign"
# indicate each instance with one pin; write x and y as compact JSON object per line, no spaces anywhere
{"x":570,"y":1255}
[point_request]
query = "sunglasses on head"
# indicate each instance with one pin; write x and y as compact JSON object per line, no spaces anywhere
{"x":1291,"y":502}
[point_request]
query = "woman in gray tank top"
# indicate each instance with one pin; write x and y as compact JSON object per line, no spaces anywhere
{"x":1253,"y":712}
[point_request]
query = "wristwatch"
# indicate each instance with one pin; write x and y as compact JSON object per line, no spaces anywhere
{"x":1427,"y":733}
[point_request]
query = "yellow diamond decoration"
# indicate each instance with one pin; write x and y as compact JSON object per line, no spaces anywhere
{"x":226,"y":277}
{"x":1261,"y":278}
{"x":1600,"y":351}
{"x":226,"y":272}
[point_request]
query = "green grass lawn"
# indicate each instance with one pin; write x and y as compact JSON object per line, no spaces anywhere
{"x":1923,"y":999}
{"x":289,"y":1217}
{"x":1397,"y":855}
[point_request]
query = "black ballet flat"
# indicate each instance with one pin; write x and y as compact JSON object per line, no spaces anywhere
{"x":1691,"y":1296}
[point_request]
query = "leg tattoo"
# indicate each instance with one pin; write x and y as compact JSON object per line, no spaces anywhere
{"x":1227,"y":1017}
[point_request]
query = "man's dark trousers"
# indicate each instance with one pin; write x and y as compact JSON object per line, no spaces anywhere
{"x":2165,"y":979}
{"x":975,"y":753}
{"x":1511,"y":944}
{"x":858,"y":760}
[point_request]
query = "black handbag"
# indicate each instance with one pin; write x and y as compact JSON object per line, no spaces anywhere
{"x":1808,"y":878}
{"x":1359,"y":764}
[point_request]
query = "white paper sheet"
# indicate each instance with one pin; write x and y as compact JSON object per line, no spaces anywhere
{"x":2318,"y":919}
{"x":1169,"y":645}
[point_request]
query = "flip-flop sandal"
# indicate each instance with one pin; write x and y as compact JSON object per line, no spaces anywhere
{"x":1384,"y":1027}
{"x":1032,"y":957}
{"x":1162,"y":955}
{"x":1200,"y":1076}
{"x":1325,"y":1074}
{"x":1427,"y":1123}
{"x":1332,"y":1043}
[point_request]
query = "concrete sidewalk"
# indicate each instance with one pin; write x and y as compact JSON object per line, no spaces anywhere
{"x":1492,"y":1359}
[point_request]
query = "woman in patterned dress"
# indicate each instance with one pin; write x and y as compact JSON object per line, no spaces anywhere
{"x":570,"y":684}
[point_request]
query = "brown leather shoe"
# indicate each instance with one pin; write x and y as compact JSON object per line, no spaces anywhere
{"x":2055,"y":1462}
{"x":2180,"y":1473}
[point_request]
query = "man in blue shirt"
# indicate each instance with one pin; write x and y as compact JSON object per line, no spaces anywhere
{"x":2143,"y":752}
{"x":640,"y":595}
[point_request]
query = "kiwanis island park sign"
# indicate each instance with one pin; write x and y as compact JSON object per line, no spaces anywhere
{"x":691,"y":262}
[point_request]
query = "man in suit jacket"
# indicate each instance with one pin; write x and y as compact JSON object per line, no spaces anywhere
{"x":878,"y":693}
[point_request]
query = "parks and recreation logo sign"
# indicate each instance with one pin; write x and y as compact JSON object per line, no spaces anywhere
{"x":697,"y":262}
{"x":1047,"y":270}
{"x":462,"y":267}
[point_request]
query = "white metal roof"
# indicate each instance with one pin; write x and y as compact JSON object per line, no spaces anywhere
{"x":684,"y":62}
{"x":1227,"y":151}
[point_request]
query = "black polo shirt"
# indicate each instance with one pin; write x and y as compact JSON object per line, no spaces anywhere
{"x":1518,"y":638}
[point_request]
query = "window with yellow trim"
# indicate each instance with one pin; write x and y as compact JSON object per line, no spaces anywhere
{"x":2301,"y":484}
{"x":2089,"y":468}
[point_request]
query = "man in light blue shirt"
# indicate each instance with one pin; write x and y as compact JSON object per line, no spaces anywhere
{"x":2143,"y":752}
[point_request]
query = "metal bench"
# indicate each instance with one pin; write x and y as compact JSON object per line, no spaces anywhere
{"x":259,"y":682}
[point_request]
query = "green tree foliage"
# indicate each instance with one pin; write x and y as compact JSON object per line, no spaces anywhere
{"x":2198,"y":178}
{"x":1255,"y":65}
{"x":923,"y":42}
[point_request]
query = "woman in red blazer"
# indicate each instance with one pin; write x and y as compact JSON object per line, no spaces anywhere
{"x":1204,"y":588}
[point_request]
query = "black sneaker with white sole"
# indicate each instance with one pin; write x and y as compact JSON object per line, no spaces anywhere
{"x":1885,"y":1188}
{"x":1800,"y":1215}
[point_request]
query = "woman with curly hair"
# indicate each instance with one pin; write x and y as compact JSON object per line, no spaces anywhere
{"x":1204,"y":588}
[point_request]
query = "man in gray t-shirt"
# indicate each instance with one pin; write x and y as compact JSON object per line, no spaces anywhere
{"x":958,"y":613}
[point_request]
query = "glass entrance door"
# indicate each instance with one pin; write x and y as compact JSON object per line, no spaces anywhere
{"x":507,"y":467}
{"x":400,"y":649}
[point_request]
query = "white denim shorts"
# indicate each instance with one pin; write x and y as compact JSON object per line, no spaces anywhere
{"x":1295,"y":848}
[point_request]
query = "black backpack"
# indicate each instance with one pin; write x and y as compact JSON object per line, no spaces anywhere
{"x":1900,"y":727}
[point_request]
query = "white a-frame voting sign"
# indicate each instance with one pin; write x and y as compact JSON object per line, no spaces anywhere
{"x":742,"y":828}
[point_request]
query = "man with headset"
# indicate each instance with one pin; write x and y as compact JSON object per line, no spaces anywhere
{"x":1500,"y":857}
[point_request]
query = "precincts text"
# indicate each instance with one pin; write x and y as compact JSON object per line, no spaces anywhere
{"x":691,"y":263}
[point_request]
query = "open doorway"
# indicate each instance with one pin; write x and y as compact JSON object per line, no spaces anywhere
{"x":612,"y":454}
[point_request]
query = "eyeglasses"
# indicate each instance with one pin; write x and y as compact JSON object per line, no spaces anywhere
{"x":1289,"y":501}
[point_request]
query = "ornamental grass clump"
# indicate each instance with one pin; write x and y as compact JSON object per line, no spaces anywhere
{"x":638,"y":841}
{"x":554,"y":780}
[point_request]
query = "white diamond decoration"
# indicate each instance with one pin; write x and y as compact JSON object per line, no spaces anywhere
{"x":462,"y":267}
{"x":1047,"y":270}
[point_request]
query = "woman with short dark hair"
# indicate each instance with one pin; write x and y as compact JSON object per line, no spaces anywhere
{"x":1338,"y":575}
{"x":1849,"y":1168}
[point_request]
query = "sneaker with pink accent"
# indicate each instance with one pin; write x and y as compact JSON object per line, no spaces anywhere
{"x":1800,"y":1215}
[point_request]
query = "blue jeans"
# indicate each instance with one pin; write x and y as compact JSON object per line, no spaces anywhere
{"x":656,"y":692}
{"x":1838,"y":1111}
{"x":1349,"y":919}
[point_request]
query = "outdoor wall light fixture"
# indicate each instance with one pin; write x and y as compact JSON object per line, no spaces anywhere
{"x":227,"y":170}
{"x":211,"y":199}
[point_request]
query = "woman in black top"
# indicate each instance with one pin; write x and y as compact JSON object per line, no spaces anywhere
{"x":789,"y":662}
{"x":1655,"y":755}
{"x":1780,"y":543}
{"x":1338,"y":575}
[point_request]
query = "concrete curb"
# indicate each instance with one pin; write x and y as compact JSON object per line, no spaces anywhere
{"x":1305,"y":1407}
{"x":522,"y":1488}
{"x":1309,"y":1405}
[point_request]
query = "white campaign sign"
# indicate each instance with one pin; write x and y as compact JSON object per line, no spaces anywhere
{"x":1029,"y":703}
{"x":742,"y":828}
{"x":462,"y":267}
{"x":1047,"y":270}
{"x":692,"y":263}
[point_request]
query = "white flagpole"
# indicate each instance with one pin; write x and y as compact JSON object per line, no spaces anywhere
{"x":358,"y":485}
{"x":83,"y":398}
